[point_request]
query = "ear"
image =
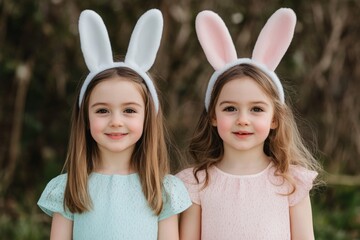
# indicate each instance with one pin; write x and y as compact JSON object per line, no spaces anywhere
{"x":274,"y":123}
{"x":145,"y":40}
{"x":214,"y":121}
{"x":274,"y":39}
{"x":215,"y":39}
{"x":94,"y":39}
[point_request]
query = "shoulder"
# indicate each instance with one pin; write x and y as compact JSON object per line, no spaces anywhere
{"x":194,"y":185}
{"x":59,"y":179}
{"x":188,"y":176}
{"x":56,"y":184}
{"x":52,"y":198}
{"x":185,"y":172}
{"x":298,"y":175}
{"x":304,"y":179}
{"x":302,"y":175}
{"x":174,"y":185}
{"x":171,"y":182}
{"x":176,"y":197}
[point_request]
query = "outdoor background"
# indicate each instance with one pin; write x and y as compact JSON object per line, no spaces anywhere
{"x":41,"y":66}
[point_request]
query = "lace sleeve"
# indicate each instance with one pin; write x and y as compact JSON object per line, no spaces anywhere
{"x":176,"y":198}
{"x":304,"y":182}
{"x":52,"y":198}
{"x":191,"y":184}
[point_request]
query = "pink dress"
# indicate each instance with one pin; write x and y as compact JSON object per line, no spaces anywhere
{"x":246,"y":206}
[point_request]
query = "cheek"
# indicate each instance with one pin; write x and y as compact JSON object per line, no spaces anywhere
{"x":223,"y":125}
{"x":96,"y":126}
{"x":264,"y":127}
{"x":137,"y":126}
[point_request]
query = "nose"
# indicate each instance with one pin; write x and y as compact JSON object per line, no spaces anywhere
{"x":116,"y":120}
{"x":242,"y":119}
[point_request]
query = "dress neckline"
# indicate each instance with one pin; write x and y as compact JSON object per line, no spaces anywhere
{"x":245,"y":175}
{"x":114,"y":175}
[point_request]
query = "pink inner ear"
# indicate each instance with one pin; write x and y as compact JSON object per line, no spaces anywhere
{"x":275,"y":38}
{"x":215,"y":39}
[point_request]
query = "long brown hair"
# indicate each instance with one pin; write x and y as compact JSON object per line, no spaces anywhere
{"x":284,"y":144}
{"x":150,"y":157}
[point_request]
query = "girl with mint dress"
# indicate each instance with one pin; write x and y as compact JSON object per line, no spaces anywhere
{"x":116,"y":184}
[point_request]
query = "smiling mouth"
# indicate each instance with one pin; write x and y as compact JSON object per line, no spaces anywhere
{"x":243,"y":133}
{"x":115,"y":135}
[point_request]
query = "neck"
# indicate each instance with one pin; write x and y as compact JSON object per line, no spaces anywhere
{"x":115,"y":163}
{"x":243,"y":162}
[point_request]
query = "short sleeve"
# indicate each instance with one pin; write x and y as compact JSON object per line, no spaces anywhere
{"x":176,"y":198}
{"x":52,"y":198}
{"x":187,"y":176}
{"x":303,"y":181}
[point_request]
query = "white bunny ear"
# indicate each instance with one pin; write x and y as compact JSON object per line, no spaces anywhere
{"x":215,"y":39}
{"x":274,"y":39}
{"x":143,"y":46}
{"x":94,"y":39}
{"x":145,"y":40}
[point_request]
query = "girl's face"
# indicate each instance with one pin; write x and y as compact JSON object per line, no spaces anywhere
{"x":243,"y":115}
{"x":116,"y":115}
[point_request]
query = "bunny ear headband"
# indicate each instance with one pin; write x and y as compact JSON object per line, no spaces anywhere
{"x":141,"y":53}
{"x":271,"y":45}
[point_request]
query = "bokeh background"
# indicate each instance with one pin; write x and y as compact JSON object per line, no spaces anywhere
{"x":41,"y":67}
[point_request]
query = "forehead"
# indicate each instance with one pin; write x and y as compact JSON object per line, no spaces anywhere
{"x":243,"y":89}
{"x":117,"y":89}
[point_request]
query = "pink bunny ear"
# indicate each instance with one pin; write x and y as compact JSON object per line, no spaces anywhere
{"x":274,"y":39}
{"x":215,"y":39}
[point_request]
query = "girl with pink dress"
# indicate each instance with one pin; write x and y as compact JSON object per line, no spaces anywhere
{"x":252,"y":172}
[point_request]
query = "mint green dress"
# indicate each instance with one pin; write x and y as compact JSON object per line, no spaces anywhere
{"x":120,"y":210}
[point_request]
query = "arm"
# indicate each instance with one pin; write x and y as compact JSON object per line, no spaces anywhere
{"x":61,"y":228}
{"x":301,"y":220}
{"x":190,"y":223}
{"x":169,"y":228}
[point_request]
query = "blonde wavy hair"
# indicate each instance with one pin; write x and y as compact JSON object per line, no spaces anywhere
{"x":150,"y":157}
{"x":284,"y":144}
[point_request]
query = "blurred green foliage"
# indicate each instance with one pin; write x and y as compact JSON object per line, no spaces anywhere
{"x":41,"y":66}
{"x":336,"y":213}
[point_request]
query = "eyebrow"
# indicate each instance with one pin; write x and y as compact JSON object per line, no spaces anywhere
{"x":254,"y":102}
{"x":123,"y":104}
{"x":226,"y":102}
